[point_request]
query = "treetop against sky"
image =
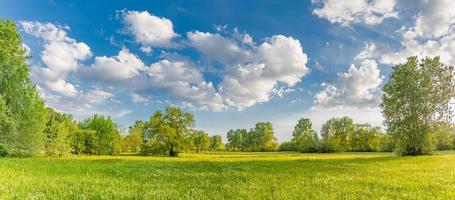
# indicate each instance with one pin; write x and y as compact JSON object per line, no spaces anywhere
{"x":232,"y":63}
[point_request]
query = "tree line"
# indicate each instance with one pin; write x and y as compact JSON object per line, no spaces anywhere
{"x":416,"y":104}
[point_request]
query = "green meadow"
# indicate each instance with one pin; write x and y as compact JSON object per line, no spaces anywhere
{"x":231,"y":175}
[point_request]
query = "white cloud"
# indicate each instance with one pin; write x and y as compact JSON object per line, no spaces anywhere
{"x":432,"y":35}
{"x":278,"y":60}
{"x":215,"y":47}
{"x":61,"y":55}
{"x":436,"y":19}
{"x":182,"y":81}
{"x":149,"y":30}
{"x":359,"y":87}
{"x":111,"y":69}
{"x":357,"y":11}
{"x":252,"y":73}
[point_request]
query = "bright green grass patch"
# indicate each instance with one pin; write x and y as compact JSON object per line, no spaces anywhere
{"x":231,"y":176}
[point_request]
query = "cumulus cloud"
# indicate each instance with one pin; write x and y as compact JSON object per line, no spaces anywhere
{"x":356,"y":11}
{"x":436,"y":19}
{"x":215,"y":47}
{"x":252,"y":73}
{"x":431,"y":35}
{"x":149,"y":30}
{"x":111,"y":69}
{"x":359,"y":87}
{"x":61,"y":55}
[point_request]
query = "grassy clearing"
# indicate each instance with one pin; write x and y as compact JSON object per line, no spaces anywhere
{"x":231,"y":176}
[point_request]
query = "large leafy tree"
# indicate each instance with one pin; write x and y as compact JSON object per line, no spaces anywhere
{"x":168,"y":132}
{"x":107,"y":137}
{"x":417,"y":95}
{"x":304,"y":137}
{"x":22,"y":112}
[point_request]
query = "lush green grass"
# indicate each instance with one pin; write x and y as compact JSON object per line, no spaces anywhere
{"x":231,"y":176}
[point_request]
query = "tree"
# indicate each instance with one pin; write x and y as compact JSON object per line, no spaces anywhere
{"x":445,"y":135}
{"x":288,"y":146}
{"x":133,"y":141}
{"x":58,"y":130}
{"x":304,"y":137}
{"x":107,"y":137}
{"x":237,"y":139}
{"x":416,"y":96}
{"x":22,"y":110}
{"x":201,"y":140}
{"x":168,"y":132}
{"x":263,"y":138}
{"x":363,"y":138}
{"x":83,"y":141}
{"x":334,"y":134}
{"x":216,"y":143}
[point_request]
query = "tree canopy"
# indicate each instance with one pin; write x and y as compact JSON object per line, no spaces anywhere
{"x":417,"y":95}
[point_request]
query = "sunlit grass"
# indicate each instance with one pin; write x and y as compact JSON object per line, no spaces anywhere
{"x":227,"y":175}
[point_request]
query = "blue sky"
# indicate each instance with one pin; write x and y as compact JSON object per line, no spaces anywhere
{"x":231,"y":63}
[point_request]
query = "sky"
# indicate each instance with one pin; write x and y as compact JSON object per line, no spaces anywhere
{"x":231,"y":63}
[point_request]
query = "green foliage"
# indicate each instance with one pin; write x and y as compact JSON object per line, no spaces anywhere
{"x":417,"y":95}
{"x":259,"y":138}
{"x":201,"y":140}
{"x":107,"y":139}
{"x":287,"y":146}
{"x":335,"y":133}
{"x":363,"y":138}
{"x":83,"y":141}
{"x":168,"y":132}
{"x":263,"y":137}
{"x":445,"y":135}
{"x":305,"y":139}
{"x":216,"y":143}
{"x":22,"y":112}
{"x":59,"y":128}
{"x":133,"y":141}
{"x":237,"y":140}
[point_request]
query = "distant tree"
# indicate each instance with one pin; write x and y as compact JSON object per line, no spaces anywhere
{"x":201,"y":140}
{"x":83,"y":141}
{"x":288,"y":146}
{"x":216,"y":143}
{"x":304,"y":137}
{"x":363,"y":138}
{"x":168,"y":132}
{"x":334,"y":134}
{"x":58,"y":129}
{"x":263,"y":138}
{"x":417,"y":95}
{"x":133,"y":141}
{"x":22,"y":112}
{"x":237,"y":139}
{"x":107,"y":136}
{"x":445,"y":135}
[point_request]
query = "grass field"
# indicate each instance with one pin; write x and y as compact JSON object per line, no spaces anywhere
{"x":231,"y":176}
